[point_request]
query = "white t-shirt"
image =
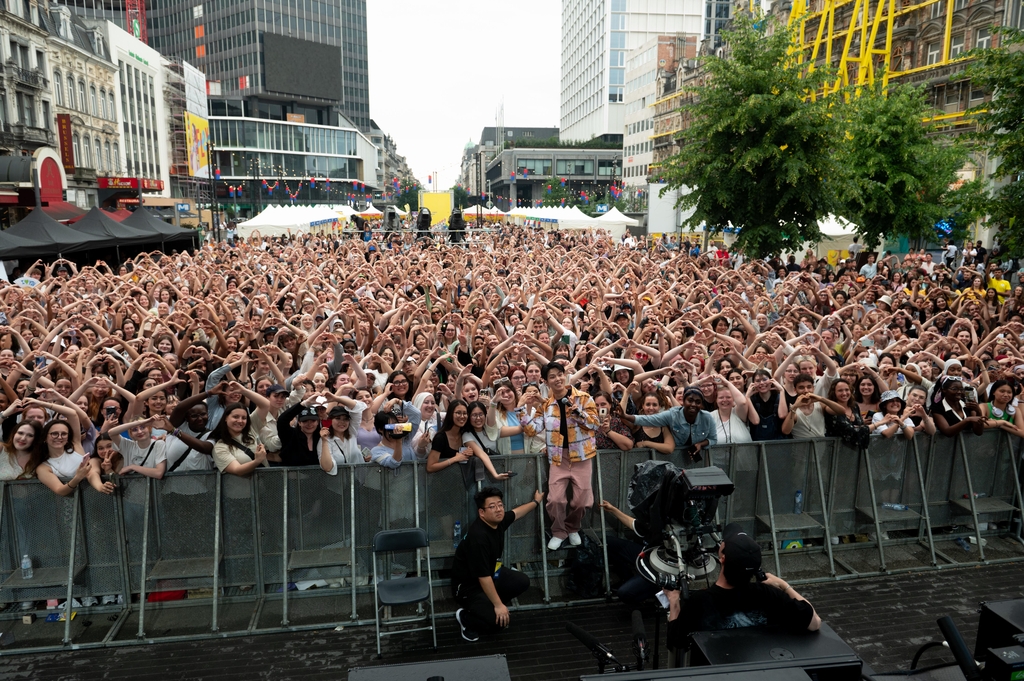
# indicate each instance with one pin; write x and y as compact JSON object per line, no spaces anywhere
{"x":195,"y":460}
{"x":65,"y":466}
{"x":134,"y":455}
{"x":878,"y":416}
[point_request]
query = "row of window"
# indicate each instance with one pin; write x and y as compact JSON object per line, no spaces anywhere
{"x":641,"y":148}
{"x":267,"y":165}
{"x":641,"y":80}
{"x":933,"y":49}
{"x":92,"y":154}
{"x":99,"y":104}
{"x":283,"y":137}
{"x":637,"y":171}
{"x":640,"y":126}
{"x":138,"y":111}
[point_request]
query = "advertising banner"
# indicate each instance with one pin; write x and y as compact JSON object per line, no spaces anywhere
{"x":197,"y":135}
{"x":67,"y":151}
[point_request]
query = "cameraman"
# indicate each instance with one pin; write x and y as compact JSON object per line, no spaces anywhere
{"x":733,"y":601}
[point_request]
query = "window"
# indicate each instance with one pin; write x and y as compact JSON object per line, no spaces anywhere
{"x":95,"y":109}
{"x":959,"y":4}
{"x":618,"y":40}
{"x":106,"y":150}
{"x":71,"y":92}
{"x":82,"y":102}
{"x":574,"y":167}
{"x":76,"y":144}
{"x":46,"y":115}
{"x":26,"y":110}
{"x":956,"y":46}
{"x":103,"y":103}
{"x":938,"y":9}
{"x":117,"y":158}
{"x":535,"y":166}
{"x":952,"y":95}
{"x":58,"y":88}
{"x":932,"y":51}
{"x":110,"y":106}
{"x":615,"y":94}
{"x":618,"y":22}
{"x":983,"y":38}
{"x":99,"y":155}
{"x":607,"y":168}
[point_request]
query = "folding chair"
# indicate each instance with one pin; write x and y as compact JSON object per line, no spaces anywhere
{"x":404,"y":590}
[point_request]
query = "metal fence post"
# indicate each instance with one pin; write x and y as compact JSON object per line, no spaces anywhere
{"x":825,"y":515}
{"x":925,"y":515}
{"x":145,"y":556}
{"x":284,"y":552}
{"x":352,"y":527}
{"x":1016,"y":484}
{"x":875,"y":512}
{"x":541,"y":476}
{"x":216,"y":551}
{"x":71,"y":567}
{"x":970,"y":495}
{"x":604,"y":528}
{"x":771,"y":509}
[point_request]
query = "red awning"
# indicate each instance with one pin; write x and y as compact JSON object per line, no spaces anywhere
{"x":62,"y":211}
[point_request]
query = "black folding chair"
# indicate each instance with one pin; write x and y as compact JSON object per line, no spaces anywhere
{"x":402,"y":590}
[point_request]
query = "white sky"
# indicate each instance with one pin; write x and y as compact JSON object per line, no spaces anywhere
{"x":428,"y":59}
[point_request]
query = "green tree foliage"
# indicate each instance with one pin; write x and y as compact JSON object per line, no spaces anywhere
{"x":409,"y":195}
{"x":1001,"y":128}
{"x":760,"y":153}
{"x":558,"y":192}
{"x":899,"y":172}
{"x":461,"y":196}
{"x":965,"y":205}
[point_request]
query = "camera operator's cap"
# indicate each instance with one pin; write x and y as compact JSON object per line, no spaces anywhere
{"x":276,"y":388}
{"x":308,"y":414}
{"x":741,"y":552}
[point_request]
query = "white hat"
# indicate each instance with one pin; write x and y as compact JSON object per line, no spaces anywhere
{"x":885,"y":299}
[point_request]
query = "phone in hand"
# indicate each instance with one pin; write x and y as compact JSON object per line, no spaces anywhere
{"x":602,"y":412}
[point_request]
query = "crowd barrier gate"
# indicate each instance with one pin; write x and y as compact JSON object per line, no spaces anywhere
{"x":290,"y":548}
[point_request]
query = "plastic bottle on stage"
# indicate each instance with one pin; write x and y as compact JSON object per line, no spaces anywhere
{"x":457,"y":534}
{"x":896,"y":507}
{"x":798,"y":502}
{"x":26,"y":567}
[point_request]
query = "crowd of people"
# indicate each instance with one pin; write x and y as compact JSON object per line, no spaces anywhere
{"x":321,"y":351}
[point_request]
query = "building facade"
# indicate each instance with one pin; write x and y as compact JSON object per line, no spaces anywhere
{"x":642,"y":67}
{"x":596,"y":37}
{"x":84,"y":86}
{"x":391,"y":165}
{"x":294,"y":68}
{"x":477,"y":156}
{"x":26,"y":108}
{"x":520,"y":177}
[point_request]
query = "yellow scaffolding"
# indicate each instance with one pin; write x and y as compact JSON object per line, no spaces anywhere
{"x":856,"y":37}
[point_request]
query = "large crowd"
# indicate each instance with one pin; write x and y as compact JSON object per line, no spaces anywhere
{"x":323,"y":351}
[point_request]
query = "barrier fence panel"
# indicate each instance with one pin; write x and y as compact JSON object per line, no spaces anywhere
{"x":235,"y":544}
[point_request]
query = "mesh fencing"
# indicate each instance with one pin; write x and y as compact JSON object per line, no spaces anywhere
{"x":302,"y":527}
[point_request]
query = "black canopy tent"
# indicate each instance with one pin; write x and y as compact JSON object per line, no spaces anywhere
{"x":112,"y":233}
{"x":42,"y":236}
{"x":145,"y":220}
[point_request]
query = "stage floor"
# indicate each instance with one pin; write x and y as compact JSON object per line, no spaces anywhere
{"x":884,"y":619}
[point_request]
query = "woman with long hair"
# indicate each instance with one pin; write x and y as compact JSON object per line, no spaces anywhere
{"x":474,"y":436}
{"x":19,"y":447}
{"x":236,"y":450}
{"x":952,"y":415}
{"x":503,"y":422}
{"x":612,"y":430}
{"x":732,"y":413}
{"x":658,"y":438}
{"x":868,"y":396}
{"x":60,"y":463}
{"x":1000,"y":411}
{"x":338,"y":443}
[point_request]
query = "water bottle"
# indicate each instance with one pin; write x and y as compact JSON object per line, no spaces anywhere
{"x":26,"y":567}
{"x":895,"y":507}
{"x":798,"y":502}
{"x":457,"y":534}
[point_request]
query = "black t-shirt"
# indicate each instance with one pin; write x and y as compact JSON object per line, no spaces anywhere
{"x":479,"y":554}
{"x":752,"y":605}
{"x":441,"y":444}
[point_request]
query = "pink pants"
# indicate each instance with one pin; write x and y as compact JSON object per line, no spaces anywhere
{"x":565,"y":520}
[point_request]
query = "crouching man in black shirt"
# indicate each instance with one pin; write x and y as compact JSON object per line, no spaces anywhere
{"x":481,"y":585}
{"x":733,"y":601}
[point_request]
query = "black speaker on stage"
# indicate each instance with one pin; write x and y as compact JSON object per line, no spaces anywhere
{"x":456,"y":227}
{"x":423,"y":222}
{"x":999,"y":624}
{"x":490,"y":667}
{"x":392,"y":223}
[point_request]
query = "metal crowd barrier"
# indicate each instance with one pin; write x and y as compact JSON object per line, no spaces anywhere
{"x":197,"y":555}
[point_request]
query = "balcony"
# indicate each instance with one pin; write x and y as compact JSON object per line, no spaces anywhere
{"x":18,"y":135}
{"x":32,"y":78}
{"x":85,"y":174}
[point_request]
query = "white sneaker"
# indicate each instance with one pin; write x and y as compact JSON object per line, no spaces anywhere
{"x":89,"y":601}
{"x":109,"y":600}
{"x":574,"y":538}
{"x":555,"y":543}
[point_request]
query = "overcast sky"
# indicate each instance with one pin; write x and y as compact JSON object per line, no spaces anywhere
{"x":439,"y":71}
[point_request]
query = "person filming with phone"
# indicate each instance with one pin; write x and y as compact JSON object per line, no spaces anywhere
{"x":737,"y":599}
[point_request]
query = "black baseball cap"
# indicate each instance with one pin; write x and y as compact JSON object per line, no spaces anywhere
{"x":309,"y":414}
{"x":742,"y":555}
{"x":276,"y":388}
{"x":338,"y":411}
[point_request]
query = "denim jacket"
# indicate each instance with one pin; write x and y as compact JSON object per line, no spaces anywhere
{"x":703,"y":429}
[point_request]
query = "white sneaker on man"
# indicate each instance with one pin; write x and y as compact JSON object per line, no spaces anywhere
{"x":574,"y":538}
{"x":555,"y":543}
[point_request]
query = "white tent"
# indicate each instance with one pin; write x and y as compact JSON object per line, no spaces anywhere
{"x":615,"y":217}
{"x":371,"y":211}
{"x":472,"y":211}
{"x":281,"y":220}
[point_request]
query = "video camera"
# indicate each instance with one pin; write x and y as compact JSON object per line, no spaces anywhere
{"x":677,"y":508}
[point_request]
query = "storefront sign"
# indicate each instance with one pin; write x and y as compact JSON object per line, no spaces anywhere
{"x":130,"y":183}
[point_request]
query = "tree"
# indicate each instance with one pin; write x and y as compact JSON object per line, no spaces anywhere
{"x":557,"y":193}
{"x":460,"y":195}
{"x":757,"y":151}
{"x":1000,"y":71}
{"x":900,"y":173}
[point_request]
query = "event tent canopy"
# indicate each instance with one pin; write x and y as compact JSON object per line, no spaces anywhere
{"x":144,"y":220}
{"x":45,"y":237}
{"x":371,"y":210}
{"x":615,"y":217}
{"x":281,"y":220}
{"x":110,"y":232}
